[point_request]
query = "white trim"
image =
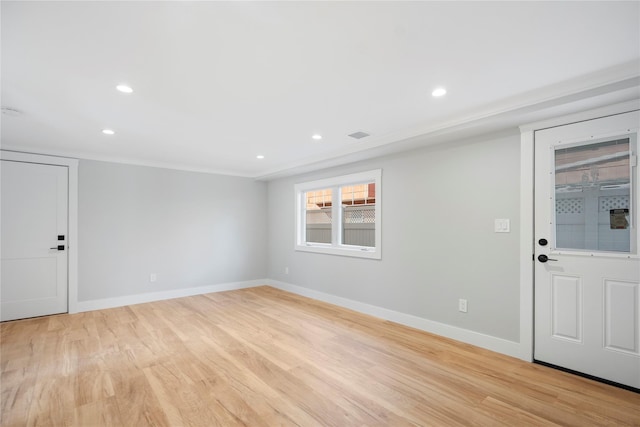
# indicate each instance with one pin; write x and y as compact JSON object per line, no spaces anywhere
{"x":478,"y":339}
{"x":101,"y":304}
{"x":72,"y":242}
{"x":123,"y":160}
{"x":353,"y":178}
{"x":608,"y":110}
{"x":526,"y":245}
{"x":527,"y":237}
{"x":72,"y":238}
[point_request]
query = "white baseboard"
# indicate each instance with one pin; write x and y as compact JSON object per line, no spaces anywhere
{"x":499,"y":345}
{"x":100,"y":304}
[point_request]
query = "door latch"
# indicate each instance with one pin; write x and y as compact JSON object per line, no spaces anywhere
{"x":544,"y":258}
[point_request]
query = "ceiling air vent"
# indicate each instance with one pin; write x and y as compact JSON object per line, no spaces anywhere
{"x":8,"y":111}
{"x":359,"y":135}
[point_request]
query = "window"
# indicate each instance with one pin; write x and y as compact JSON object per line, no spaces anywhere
{"x":340,"y":215}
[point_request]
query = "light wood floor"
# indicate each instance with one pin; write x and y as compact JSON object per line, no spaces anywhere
{"x":263,"y":357}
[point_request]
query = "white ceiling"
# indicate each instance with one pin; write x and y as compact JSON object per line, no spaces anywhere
{"x":217,"y":83}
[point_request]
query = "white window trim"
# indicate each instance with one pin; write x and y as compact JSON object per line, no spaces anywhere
{"x":336,"y":248}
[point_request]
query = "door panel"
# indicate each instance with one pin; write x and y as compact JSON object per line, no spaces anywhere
{"x":587,"y":288}
{"x":566,"y":303}
{"x":34,"y":214}
{"x":621,"y":308}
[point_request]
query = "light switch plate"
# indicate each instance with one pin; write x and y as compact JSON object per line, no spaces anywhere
{"x":502,"y":226}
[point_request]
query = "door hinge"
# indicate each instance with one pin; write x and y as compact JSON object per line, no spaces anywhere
{"x":633,"y":160}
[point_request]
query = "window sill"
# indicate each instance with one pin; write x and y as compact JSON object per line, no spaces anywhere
{"x":355,"y":251}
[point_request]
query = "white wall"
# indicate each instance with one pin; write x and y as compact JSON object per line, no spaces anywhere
{"x":438,"y":243}
{"x":197,"y":230}
{"x":191,"y":229}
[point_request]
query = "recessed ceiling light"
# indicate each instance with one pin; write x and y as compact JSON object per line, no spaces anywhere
{"x":260,"y":157}
{"x":440,"y":91}
{"x":108,"y":131}
{"x":124,"y":88}
{"x":317,"y":137}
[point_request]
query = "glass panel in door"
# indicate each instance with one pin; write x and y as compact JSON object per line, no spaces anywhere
{"x":593,"y":194}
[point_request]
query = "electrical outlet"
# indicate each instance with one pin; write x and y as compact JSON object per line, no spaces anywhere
{"x":462,"y":305}
{"x":286,"y":270}
{"x":153,"y":277}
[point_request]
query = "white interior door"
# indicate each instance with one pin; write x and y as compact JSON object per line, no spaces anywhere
{"x":587,"y":273}
{"x":34,"y":240}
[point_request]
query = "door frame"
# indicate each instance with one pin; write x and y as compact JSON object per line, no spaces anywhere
{"x":72,"y":241}
{"x":527,"y":188}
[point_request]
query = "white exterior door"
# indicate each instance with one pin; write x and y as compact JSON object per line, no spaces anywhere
{"x":34,"y":239}
{"x":587,"y":270}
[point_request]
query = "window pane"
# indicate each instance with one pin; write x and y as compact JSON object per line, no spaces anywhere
{"x":359,"y":214}
{"x":592,"y":190}
{"x":318,"y":216}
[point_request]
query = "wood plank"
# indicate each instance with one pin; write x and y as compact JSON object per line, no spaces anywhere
{"x":262,"y":357}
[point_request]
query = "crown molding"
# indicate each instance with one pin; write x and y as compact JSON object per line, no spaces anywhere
{"x":120,"y":160}
{"x":576,"y":95}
